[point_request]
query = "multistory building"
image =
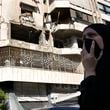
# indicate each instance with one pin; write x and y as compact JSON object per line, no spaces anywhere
{"x":40,"y":44}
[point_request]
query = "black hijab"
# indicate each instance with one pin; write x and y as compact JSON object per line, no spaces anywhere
{"x":95,"y":91}
{"x":103,"y":66}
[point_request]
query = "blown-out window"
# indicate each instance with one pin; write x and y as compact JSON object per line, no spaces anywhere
{"x":80,"y":16}
{"x":24,"y":33}
{"x":27,"y":13}
{"x":27,"y":8}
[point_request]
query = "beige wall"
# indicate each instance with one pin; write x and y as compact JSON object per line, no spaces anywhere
{"x":82,"y":3}
{"x":38,"y":75}
{"x":11,"y":10}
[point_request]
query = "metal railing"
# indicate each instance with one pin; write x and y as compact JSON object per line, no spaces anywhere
{"x":12,"y":56}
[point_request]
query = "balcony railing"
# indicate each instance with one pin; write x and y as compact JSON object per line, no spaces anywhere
{"x":11,"y":56}
{"x":26,"y":18}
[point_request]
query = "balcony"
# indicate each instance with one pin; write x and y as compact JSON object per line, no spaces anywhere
{"x":58,"y":4}
{"x":34,"y":66}
{"x":69,"y":21}
{"x":73,"y":4}
{"x":27,"y":19}
{"x":11,"y":56}
{"x":68,"y":29}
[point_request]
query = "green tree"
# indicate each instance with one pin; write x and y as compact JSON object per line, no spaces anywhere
{"x":2,"y":99}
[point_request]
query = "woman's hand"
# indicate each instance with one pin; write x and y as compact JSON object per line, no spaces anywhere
{"x":89,"y":61}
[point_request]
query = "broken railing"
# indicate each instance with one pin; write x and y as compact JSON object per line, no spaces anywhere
{"x":12,"y":56}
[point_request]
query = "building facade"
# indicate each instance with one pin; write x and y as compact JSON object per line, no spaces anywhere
{"x":40,"y":44}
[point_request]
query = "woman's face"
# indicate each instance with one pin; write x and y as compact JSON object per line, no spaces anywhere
{"x":89,"y":33}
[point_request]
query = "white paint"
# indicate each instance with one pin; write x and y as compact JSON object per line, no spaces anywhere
{"x":38,"y":75}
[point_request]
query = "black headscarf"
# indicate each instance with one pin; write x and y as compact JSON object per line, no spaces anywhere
{"x":103,"y":66}
{"x":95,"y":91}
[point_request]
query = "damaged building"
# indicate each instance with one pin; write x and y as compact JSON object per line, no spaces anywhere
{"x":40,"y":45}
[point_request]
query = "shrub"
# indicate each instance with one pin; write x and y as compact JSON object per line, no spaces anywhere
{"x":2,"y":95}
{"x":2,"y":99}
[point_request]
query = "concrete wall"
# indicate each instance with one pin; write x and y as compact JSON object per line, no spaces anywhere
{"x":81,"y":3}
{"x":10,"y":11}
{"x":39,"y":76}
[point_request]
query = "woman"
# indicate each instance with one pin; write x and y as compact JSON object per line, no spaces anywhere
{"x":95,"y":88}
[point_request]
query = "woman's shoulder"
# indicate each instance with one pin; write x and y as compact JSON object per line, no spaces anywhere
{"x":87,"y":83}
